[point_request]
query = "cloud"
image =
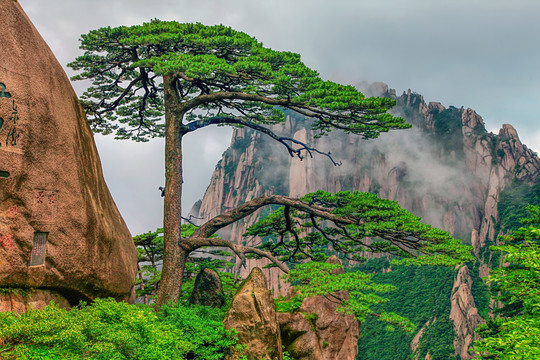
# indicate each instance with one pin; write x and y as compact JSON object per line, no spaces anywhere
{"x":532,"y":140}
{"x":133,"y":172}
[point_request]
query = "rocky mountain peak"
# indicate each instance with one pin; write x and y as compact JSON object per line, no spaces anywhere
{"x":508,"y":132}
{"x":448,"y":169}
{"x":472,"y":122}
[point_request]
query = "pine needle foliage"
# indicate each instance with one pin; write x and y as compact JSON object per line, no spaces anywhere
{"x":126,"y":66}
{"x":351,"y":224}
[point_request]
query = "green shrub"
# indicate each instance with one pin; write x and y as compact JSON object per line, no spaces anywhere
{"x":293,"y":305}
{"x":203,"y":329}
{"x":513,"y":204}
{"x":111,"y":330}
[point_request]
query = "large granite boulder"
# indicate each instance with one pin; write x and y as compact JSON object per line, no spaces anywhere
{"x":253,"y":315}
{"x":59,"y":226}
{"x":299,"y":336}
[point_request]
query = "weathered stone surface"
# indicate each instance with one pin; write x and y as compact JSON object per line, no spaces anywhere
{"x":56,"y":212}
{"x":323,"y":333}
{"x":253,"y":315}
{"x":464,"y":313}
{"x":31,"y":299}
{"x":207,"y":289}
{"x":299,"y":337}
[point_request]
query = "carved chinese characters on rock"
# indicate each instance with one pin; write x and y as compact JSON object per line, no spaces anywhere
{"x":6,"y":241}
{"x":10,"y":132}
{"x":44,"y":205}
{"x":6,"y":216}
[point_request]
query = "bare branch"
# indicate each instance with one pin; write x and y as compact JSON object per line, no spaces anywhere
{"x":285,"y":141}
{"x":115,"y":103}
{"x":248,"y":208}
{"x":289,"y":228}
{"x":194,"y":243}
{"x":188,"y":219}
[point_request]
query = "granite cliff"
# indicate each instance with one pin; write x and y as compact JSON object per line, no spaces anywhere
{"x":448,"y":169}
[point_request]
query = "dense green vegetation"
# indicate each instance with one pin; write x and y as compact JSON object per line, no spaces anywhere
{"x":513,"y":203}
{"x":111,"y":330}
{"x":480,"y":291}
{"x":421,"y":294}
{"x":515,"y":332}
{"x":447,"y":125}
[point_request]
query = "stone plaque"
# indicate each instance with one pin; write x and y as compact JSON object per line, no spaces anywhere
{"x":39,"y":250}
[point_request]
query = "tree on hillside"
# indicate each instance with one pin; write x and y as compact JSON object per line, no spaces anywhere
{"x":515,"y":332}
{"x":197,"y":76}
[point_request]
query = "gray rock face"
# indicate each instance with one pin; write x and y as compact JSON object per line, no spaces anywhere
{"x":59,"y":226}
{"x":448,"y":170}
{"x":253,"y":315}
{"x":207,"y":290}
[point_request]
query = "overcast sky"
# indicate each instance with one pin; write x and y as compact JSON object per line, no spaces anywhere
{"x":482,"y":54}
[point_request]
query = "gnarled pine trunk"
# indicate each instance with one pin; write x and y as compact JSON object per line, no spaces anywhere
{"x":175,"y":256}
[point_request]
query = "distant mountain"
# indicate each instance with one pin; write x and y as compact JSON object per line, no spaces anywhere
{"x":448,"y":170}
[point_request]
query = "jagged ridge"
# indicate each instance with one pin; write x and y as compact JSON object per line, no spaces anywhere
{"x":448,"y":170}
